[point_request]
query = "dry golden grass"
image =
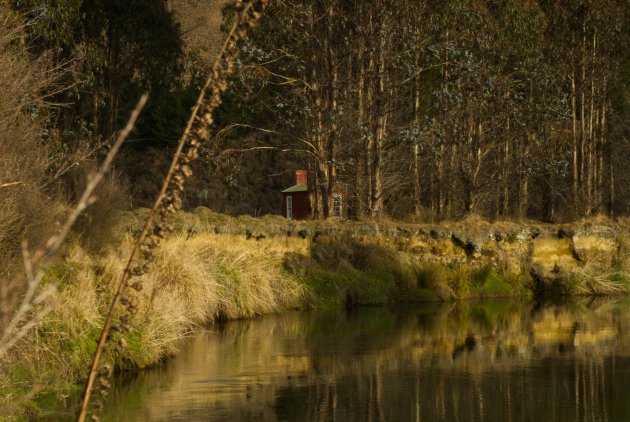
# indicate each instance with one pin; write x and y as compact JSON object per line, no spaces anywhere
{"x":195,"y":281}
{"x":200,"y":21}
{"x":225,"y":276}
{"x":591,"y":279}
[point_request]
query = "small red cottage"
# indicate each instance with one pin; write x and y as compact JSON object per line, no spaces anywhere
{"x":296,"y":200}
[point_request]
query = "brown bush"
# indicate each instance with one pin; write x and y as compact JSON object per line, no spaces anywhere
{"x":99,"y":225}
{"x":26,"y":211}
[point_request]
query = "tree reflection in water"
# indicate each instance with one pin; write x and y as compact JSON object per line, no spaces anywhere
{"x":497,"y":360}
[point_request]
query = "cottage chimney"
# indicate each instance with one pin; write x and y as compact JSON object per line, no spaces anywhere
{"x":300,"y":177}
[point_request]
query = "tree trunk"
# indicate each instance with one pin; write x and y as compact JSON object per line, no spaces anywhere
{"x":361,"y":170}
{"x":417,"y":188}
{"x":591,"y":138}
{"x":379,"y":132}
{"x":583,"y":118}
{"x":332,"y":133}
{"x":506,"y":172}
{"x":113,"y":83}
{"x":576,"y":176}
{"x":369,"y":98}
{"x":523,"y":197}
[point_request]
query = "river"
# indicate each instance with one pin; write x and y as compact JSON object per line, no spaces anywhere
{"x":466,"y":361}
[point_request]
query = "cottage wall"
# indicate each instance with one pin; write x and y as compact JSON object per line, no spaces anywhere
{"x":301,"y":205}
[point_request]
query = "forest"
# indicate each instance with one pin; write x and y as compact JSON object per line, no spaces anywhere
{"x":501,"y":108}
{"x":426,"y":110}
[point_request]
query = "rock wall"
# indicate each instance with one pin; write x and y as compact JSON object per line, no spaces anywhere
{"x":549,"y":254}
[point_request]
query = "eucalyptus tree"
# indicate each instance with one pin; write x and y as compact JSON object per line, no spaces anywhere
{"x":298,"y":59}
{"x":592,"y":37}
{"x":523,"y":100}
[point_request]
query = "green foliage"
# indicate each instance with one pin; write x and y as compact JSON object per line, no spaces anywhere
{"x":487,"y":283}
{"x":621,"y":278}
{"x":137,"y":354}
{"x":329,"y":287}
{"x":53,"y":25}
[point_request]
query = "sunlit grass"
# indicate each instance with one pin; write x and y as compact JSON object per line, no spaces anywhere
{"x":195,"y":281}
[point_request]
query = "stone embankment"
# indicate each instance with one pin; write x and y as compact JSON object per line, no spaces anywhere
{"x":547,"y":254}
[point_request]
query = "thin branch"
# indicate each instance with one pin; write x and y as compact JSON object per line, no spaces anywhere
{"x":224,"y":132}
{"x":237,"y":150}
{"x":287,"y":79}
{"x":169,"y":198}
{"x":6,"y":185}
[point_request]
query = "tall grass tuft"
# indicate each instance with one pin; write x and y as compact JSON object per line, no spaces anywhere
{"x":592,"y":279}
{"x":223,"y":276}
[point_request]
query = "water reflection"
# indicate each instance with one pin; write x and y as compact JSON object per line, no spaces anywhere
{"x":467,"y":361}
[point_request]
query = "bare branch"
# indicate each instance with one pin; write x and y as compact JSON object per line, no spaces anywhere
{"x":6,"y":185}
{"x":169,"y":199}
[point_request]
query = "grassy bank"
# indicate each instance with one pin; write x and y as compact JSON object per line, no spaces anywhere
{"x":343,"y":271}
{"x":196,"y":280}
{"x":215,"y":267}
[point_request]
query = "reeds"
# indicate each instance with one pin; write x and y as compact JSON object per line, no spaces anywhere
{"x":593,"y":279}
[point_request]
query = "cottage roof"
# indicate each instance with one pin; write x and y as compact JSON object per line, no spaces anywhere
{"x":302,"y":187}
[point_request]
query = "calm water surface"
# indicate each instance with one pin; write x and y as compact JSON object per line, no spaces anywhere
{"x":493,"y":361}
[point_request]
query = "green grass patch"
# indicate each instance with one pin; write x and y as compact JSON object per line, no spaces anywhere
{"x":374,"y":288}
{"x":485,"y":282}
{"x":620,"y":277}
{"x":344,"y":284}
{"x":135,"y":352}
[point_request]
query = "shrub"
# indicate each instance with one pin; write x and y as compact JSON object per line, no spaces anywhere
{"x":26,"y":211}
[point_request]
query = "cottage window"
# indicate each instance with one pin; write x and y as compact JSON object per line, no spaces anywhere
{"x":337,"y":206}
{"x":290,"y":207}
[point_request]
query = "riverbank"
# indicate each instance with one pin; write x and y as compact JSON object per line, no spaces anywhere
{"x":217,"y":267}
